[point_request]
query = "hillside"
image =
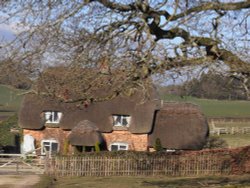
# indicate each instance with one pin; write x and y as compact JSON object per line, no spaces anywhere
{"x":10,"y":100}
{"x":216,"y":108}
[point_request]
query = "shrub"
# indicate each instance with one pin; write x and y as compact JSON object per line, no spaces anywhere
{"x":65,"y":147}
{"x":215,"y":142}
{"x":97,"y":147}
{"x":158,"y":146}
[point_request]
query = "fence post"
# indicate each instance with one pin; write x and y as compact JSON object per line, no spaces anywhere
{"x":17,"y":166}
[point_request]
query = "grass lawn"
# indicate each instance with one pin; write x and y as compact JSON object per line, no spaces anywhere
{"x":152,"y":182}
{"x":237,"y":140}
{"x":10,"y":99}
{"x":216,"y":108}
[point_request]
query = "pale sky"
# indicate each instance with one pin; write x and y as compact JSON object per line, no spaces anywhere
{"x":6,"y":33}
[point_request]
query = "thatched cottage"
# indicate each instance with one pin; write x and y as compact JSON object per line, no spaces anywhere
{"x":118,"y":124}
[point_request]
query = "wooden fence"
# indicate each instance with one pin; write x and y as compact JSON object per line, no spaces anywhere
{"x":18,"y":163}
{"x":169,"y":165}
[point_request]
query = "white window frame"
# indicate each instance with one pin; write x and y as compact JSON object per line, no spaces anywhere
{"x":119,"y":144}
{"x":50,"y":141}
{"x":123,"y":118}
{"x":50,"y":117}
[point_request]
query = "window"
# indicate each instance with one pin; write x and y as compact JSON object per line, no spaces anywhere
{"x":117,"y":146}
{"x":83,"y":149}
{"x":121,"y":120}
{"x":49,"y":146}
{"x":52,"y":116}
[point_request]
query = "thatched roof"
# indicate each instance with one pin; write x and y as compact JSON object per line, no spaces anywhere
{"x":85,"y":133}
{"x":75,"y":83}
{"x":179,"y":126}
{"x":99,"y":113}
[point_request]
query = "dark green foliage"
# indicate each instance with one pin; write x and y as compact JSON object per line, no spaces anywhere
{"x":215,"y":142}
{"x":158,"y":146}
{"x":6,"y":137}
{"x":130,"y":153}
{"x":134,"y":154}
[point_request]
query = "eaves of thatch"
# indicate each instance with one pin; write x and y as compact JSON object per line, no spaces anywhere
{"x":100,"y":113}
{"x":179,"y":126}
{"x":85,"y":133}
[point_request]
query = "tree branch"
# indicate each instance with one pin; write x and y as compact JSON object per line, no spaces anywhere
{"x":214,"y":6}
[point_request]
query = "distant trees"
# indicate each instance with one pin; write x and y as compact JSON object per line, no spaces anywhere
{"x":14,"y":74}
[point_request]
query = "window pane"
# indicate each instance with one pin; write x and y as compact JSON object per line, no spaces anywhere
{"x":46,"y":148}
{"x":54,"y":146}
{"x":124,"y":122}
{"x":114,"y":148}
{"x":123,"y":147}
{"x":46,"y":143}
{"x":55,"y":117}
{"x":118,"y":120}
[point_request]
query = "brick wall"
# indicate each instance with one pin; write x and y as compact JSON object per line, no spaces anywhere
{"x":49,"y":133}
{"x":137,"y":142}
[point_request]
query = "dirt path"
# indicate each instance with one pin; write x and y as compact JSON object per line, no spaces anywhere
{"x":18,"y":181}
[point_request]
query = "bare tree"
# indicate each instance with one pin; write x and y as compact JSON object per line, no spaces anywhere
{"x":140,"y":38}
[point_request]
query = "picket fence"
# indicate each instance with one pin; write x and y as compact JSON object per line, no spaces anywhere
{"x":169,"y":165}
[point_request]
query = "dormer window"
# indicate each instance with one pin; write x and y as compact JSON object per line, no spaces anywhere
{"x":52,"y":116}
{"x":121,"y":120}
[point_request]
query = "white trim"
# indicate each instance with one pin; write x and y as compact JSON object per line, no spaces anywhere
{"x":50,"y":141}
{"x":50,"y":116}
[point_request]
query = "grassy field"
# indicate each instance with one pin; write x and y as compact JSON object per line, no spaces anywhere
{"x":216,"y":108}
{"x":149,"y":182}
{"x":10,"y":99}
{"x":237,"y":140}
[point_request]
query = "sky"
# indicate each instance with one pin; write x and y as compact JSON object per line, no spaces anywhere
{"x":6,"y":33}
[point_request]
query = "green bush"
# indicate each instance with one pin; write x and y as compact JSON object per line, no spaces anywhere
{"x":158,"y":146}
{"x":215,"y":142}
